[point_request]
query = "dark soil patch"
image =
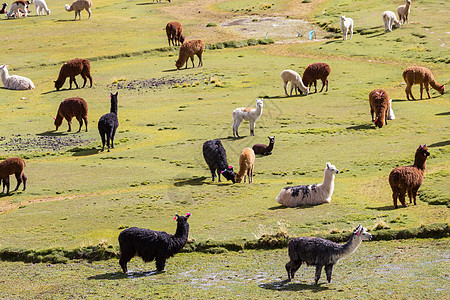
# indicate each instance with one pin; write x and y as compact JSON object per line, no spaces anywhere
{"x":156,"y":83}
{"x":29,"y":142}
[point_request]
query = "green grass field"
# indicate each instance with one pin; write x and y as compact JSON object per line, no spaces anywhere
{"x":78,"y":196}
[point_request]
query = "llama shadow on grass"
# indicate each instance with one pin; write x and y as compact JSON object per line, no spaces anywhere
{"x":172,"y":70}
{"x":296,"y":207}
{"x":84,"y":151}
{"x":439,"y":144}
{"x":361,"y":127}
{"x":383,"y":208}
{"x":399,"y":100}
{"x":121,"y":275}
{"x":443,"y":113}
{"x":286,"y":286}
{"x":193,"y":181}
{"x":52,"y":133}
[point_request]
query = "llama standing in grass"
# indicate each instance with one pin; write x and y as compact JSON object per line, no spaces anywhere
{"x":78,"y":6}
{"x":295,"y":80}
{"x":322,"y":253}
{"x":409,"y":179}
{"x":15,"y":82}
{"x":315,"y":194}
{"x":249,"y":114}
{"x":216,"y":158}
{"x":389,"y":19}
{"x":69,"y":108}
{"x":422,"y":76}
{"x":17,"y":7}
{"x":174,"y":32}
{"x":41,"y":7}
{"x":314,"y":72}
{"x":380,"y":105}
{"x":9,"y":166}
{"x":403,"y":11}
{"x":246,"y":165}
{"x":72,"y":68}
{"x":188,"y":50}
{"x":108,"y":123}
{"x":346,"y":26}
{"x":152,"y":245}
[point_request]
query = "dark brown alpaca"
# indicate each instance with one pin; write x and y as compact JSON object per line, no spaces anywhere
{"x":174,"y":32}
{"x":69,"y":108}
{"x":379,"y":104}
{"x":409,"y":179}
{"x":316,"y":71}
{"x":9,"y":166}
{"x":73,"y":68}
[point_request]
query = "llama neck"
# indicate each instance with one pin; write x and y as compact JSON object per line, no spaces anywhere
{"x":420,"y":161}
{"x":328,"y":182}
{"x":258,"y":110}
{"x":270,"y":147}
{"x":4,"y":74}
{"x":435,"y":85}
{"x":113,"y":106}
{"x":182,"y":232}
{"x":350,"y":247}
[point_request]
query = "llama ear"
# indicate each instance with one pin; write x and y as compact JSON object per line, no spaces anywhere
{"x":176,"y":216}
{"x":188,"y":215}
{"x":230,"y":167}
{"x":54,"y":118}
{"x":222,"y":172}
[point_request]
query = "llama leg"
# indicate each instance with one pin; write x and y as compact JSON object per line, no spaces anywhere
{"x":236,"y":124}
{"x":80,"y":120}
{"x":24,"y":180}
{"x":323,"y":84}
{"x":84,"y":79}
{"x":427,"y":88}
{"x":329,"y":271}
{"x":285,"y":83}
{"x":218,"y":176}
{"x":89,"y":12}
{"x":292,"y":87}
{"x":351,"y":32}
{"x":252,"y":127}
{"x":85,"y":122}
{"x":74,"y":81}
{"x":108,"y":138}
{"x":372,"y":112}
{"x":19,"y":181}
{"x":69,"y":121}
{"x":160,"y":263}
{"x":414,"y":194}
{"x":113,"y":134}
{"x":200,"y":64}
{"x":394,"y":197}
{"x":421,"y":90}
{"x":410,"y":196}
{"x":6,"y":182}
{"x":401,"y":197}
{"x":318,"y":272}
{"x":315,"y":86}
{"x":292,"y":267}
{"x":103,"y":136}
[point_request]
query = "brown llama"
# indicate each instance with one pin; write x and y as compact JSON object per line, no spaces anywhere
{"x":188,"y":50}
{"x":69,"y":108}
{"x":379,"y":104}
{"x":72,"y":68}
{"x":316,"y":71}
{"x":422,"y":76}
{"x":409,"y":178}
{"x":174,"y":32}
{"x":9,"y":166}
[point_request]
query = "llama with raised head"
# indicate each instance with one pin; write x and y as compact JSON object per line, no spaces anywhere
{"x":264,"y":149}
{"x":108,"y":123}
{"x":315,"y":194}
{"x":403,"y":11}
{"x":152,"y":245}
{"x":14,"y":82}
{"x":322,"y":253}
{"x":346,"y":26}
{"x":409,"y":179}
{"x":249,"y":114}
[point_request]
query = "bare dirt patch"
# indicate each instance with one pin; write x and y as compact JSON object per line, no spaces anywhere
{"x":29,"y":142}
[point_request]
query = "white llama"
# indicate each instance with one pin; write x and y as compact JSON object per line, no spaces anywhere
{"x":389,"y":19}
{"x":15,"y":82}
{"x":16,"y":7}
{"x":41,"y":7}
{"x":293,"y":196}
{"x":346,"y":26}
{"x":249,"y":114}
{"x":295,"y":80}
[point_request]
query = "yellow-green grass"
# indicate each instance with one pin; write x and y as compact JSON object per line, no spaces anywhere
{"x":79,"y":196}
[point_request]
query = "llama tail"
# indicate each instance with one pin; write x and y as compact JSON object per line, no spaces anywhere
{"x":69,"y":7}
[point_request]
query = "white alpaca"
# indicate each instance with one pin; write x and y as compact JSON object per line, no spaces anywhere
{"x":15,"y":82}
{"x":346,"y":26}
{"x":16,"y":6}
{"x":249,"y":114}
{"x":391,"y":115}
{"x":403,"y":12}
{"x":389,"y":19}
{"x":293,"y":196}
{"x":295,"y":80}
{"x":41,"y":7}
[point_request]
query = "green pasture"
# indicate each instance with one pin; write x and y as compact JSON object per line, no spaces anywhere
{"x":78,"y":196}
